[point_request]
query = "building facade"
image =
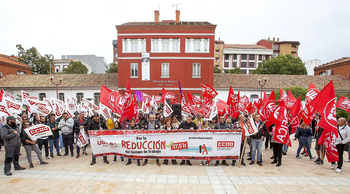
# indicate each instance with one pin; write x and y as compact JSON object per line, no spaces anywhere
{"x":219,"y":53}
{"x":310,"y":65}
{"x":115,"y":51}
{"x":246,"y":57}
{"x":61,"y":64}
{"x":95,"y":64}
{"x":340,"y":67}
{"x":159,"y":54}
{"x":11,"y":65}
{"x":281,"y":47}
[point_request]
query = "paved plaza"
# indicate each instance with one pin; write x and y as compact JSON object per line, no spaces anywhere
{"x":70,"y":175}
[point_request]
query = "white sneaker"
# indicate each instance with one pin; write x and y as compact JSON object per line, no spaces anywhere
{"x":338,"y":170}
{"x":122,"y":162}
{"x":48,"y":157}
{"x":348,"y":160}
{"x":113,"y":162}
{"x":333,"y":166}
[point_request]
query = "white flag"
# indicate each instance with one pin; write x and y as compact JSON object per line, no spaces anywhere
{"x":250,"y":127}
{"x":213,"y":111}
{"x":82,"y":138}
{"x":167,"y":109}
{"x":105,"y":111}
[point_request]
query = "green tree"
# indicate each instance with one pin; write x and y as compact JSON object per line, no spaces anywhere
{"x":40,"y":64}
{"x":296,"y":91}
{"x":236,"y":70}
{"x":217,"y":70}
{"x":282,"y":64}
{"x":113,"y":68}
{"x":342,"y":113}
{"x":75,"y":67}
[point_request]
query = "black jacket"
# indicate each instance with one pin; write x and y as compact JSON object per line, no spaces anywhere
{"x":184,"y":125}
{"x":77,"y":124}
{"x":262,"y":130}
{"x":25,"y":137}
{"x":96,"y":125}
{"x":55,"y":133}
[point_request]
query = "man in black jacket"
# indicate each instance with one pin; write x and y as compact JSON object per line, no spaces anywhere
{"x":96,"y":124}
{"x":10,"y":133}
{"x":188,"y":125}
{"x":222,"y":125}
{"x":54,"y":139}
{"x":79,"y":123}
{"x":257,"y":140}
{"x":152,"y":124}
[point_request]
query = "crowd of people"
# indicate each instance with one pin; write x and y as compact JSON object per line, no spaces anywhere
{"x":65,"y":132}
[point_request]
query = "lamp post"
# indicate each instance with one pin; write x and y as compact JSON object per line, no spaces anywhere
{"x":262,"y":83}
{"x":56,"y":84}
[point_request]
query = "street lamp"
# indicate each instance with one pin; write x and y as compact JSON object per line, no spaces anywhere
{"x":262,"y":83}
{"x":56,"y":84}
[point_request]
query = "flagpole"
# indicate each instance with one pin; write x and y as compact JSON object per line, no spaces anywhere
{"x":243,"y":149}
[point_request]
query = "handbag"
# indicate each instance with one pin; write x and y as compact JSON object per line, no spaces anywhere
{"x":346,"y":146}
{"x":297,"y":133}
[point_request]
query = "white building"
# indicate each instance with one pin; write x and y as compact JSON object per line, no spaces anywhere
{"x":310,"y":65}
{"x":246,"y":57}
{"x":61,"y":64}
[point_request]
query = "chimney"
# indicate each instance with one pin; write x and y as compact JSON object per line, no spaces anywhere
{"x":156,"y":16}
{"x":177,"y":16}
{"x":273,"y":39}
{"x":268,"y":38}
{"x":278,"y":39}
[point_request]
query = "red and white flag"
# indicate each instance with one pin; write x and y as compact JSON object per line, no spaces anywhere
{"x":105,"y":111}
{"x":37,"y":131}
{"x":168,"y":95}
{"x":193,"y":100}
{"x":213,"y":111}
{"x":324,"y":103}
{"x":185,"y":109}
{"x":167,"y":110}
{"x":13,"y":107}
{"x":290,"y":100}
{"x":211,"y":92}
{"x":328,"y":140}
{"x":250,"y":127}
{"x":82,"y":138}
{"x":283,"y":96}
{"x":128,"y":106}
{"x":279,"y":117}
{"x":311,"y":93}
{"x":344,"y":103}
{"x":268,"y":108}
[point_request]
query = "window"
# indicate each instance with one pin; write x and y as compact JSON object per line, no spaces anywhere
{"x":165,"y":70}
{"x":18,"y":72}
{"x":260,"y":57}
{"x":217,"y":59}
{"x":227,"y":57}
{"x":97,"y":98}
{"x":254,"y":96}
{"x":197,"y":45}
{"x":196,"y":70}
{"x":234,"y":64}
{"x":80,"y":96}
{"x":226,"y":64}
{"x":206,"y":45}
{"x":244,"y":57}
{"x":134,"y":45}
{"x":126,"y":46}
{"x":188,"y":45}
{"x":0,"y":74}
{"x":251,"y":64}
{"x":252,"y":57}
{"x":243,"y":64}
{"x":165,"y":45}
{"x":276,"y":47}
{"x":250,"y":72}
{"x":244,"y":71}
{"x":155,"y":46}
{"x":294,"y":45}
{"x":42,"y":96}
{"x":143,"y":45}
{"x":235,"y":57}
{"x":61,"y":96}
{"x":176,"y":45}
{"x":134,"y":69}
{"x":275,"y":54}
{"x":267,"y":56}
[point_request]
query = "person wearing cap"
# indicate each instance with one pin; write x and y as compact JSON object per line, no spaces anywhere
{"x":66,"y":127}
{"x":10,"y":133}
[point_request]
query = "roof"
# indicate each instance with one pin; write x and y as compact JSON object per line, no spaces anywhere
{"x":68,"y":80}
{"x":222,"y":80}
{"x":335,"y":62}
{"x":167,"y":23}
{"x":287,"y":42}
{"x":13,"y":60}
{"x":245,"y":46}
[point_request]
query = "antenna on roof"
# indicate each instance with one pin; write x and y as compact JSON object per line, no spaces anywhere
{"x":175,"y":5}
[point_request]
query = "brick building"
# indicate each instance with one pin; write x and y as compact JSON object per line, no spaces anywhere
{"x":340,"y":67}
{"x":11,"y":65}
{"x":281,"y":47}
{"x":158,"y":54}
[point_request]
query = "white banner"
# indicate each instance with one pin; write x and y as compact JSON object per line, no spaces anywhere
{"x":37,"y":131}
{"x":82,"y":138}
{"x":250,"y":127}
{"x":213,"y":145}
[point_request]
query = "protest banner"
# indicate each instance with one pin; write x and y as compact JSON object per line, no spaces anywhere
{"x":37,"y":131}
{"x":202,"y":145}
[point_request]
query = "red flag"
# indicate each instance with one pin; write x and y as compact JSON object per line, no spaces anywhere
{"x":264,"y":99}
{"x":294,"y":125}
{"x":128,"y":107}
{"x":306,"y":116}
{"x":290,"y":100}
{"x":311,"y":93}
{"x":249,"y":107}
{"x":259,"y":104}
{"x":279,"y":117}
{"x":193,"y":100}
{"x":268,"y":109}
{"x":211,"y":92}
{"x":297,"y":108}
{"x":344,"y":103}
{"x":324,"y":103}
{"x":329,"y":143}
{"x":168,"y":95}
{"x":283,"y":96}
{"x":184,"y":107}
{"x":1,"y":94}
{"x":105,"y":95}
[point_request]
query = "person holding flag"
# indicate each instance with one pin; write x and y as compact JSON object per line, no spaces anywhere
{"x":340,"y":142}
{"x":304,"y":132}
{"x":80,"y":123}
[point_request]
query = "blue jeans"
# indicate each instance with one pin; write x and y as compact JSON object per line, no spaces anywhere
{"x":285,"y":148}
{"x":54,"y":142}
{"x":61,"y":142}
{"x":303,"y":141}
{"x":349,"y":151}
{"x":256,"y":146}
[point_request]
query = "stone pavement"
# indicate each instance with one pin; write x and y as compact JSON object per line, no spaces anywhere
{"x":71,"y":175}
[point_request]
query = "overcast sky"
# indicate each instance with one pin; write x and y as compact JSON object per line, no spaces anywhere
{"x":88,"y":27}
